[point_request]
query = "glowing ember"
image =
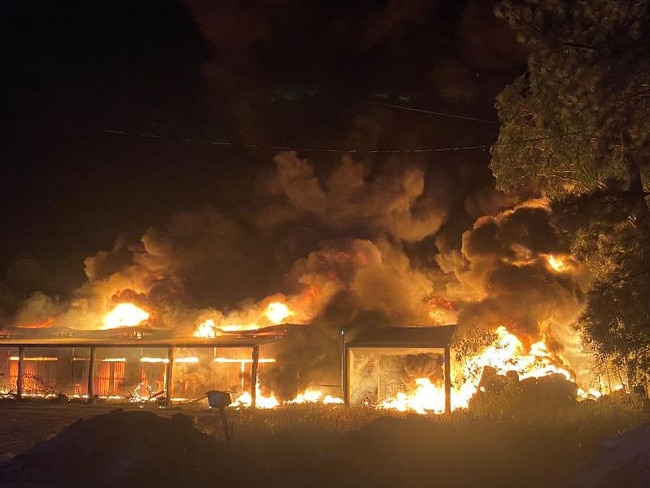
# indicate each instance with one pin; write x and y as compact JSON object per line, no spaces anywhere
{"x":124,"y":315}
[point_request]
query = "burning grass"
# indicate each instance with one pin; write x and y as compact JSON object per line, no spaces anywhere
{"x":315,"y":445}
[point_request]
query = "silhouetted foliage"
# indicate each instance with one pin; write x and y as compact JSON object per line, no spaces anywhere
{"x":576,"y":128}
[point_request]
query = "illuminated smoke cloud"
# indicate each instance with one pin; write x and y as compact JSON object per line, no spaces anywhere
{"x":349,"y":248}
{"x":393,"y":202}
{"x":202,"y":260}
{"x":502,"y":274}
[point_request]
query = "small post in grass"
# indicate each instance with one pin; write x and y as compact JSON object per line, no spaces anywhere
{"x":220,"y":400}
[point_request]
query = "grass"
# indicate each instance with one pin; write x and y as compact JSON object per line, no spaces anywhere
{"x":325,"y":445}
{"x":360,"y":447}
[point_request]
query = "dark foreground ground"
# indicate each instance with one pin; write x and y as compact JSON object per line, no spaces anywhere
{"x":54,"y":445}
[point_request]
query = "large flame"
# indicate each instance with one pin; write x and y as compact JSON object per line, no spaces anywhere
{"x":559,"y":264}
{"x":426,"y":397}
{"x":276,"y":312}
{"x":506,"y":353}
{"x":441,"y":311}
{"x":124,"y":315}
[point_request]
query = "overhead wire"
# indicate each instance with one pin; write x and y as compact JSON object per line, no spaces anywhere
{"x":433,"y":112}
{"x":213,"y":142}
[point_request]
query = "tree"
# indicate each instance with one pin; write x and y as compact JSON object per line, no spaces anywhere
{"x":576,"y":127}
{"x":584,"y":102}
{"x":615,"y":247}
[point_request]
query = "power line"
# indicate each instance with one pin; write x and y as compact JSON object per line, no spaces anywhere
{"x":212,"y":142}
{"x":270,"y":86}
{"x":433,"y":112}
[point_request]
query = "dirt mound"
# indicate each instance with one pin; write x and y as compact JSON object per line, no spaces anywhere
{"x":622,"y":462}
{"x":121,"y":449}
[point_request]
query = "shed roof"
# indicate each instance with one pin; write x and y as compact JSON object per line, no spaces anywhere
{"x":404,"y":337}
{"x":137,"y":337}
{"x":139,"y":343}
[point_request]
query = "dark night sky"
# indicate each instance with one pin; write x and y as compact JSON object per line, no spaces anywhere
{"x":304,"y":74}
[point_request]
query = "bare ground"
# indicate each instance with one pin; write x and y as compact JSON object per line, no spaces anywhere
{"x":26,"y":423}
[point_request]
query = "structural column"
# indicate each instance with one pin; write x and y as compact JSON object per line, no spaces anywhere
{"x":344,"y":364}
{"x":91,"y":374}
{"x":256,"y":359}
{"x":21,"y":372}
{"x":447,"y":379}
{"x":345,"y":377}
{"x":168,"y":375}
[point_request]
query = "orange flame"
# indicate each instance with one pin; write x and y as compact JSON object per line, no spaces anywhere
{"x":506,"y":353}
{"x":43,"y":324}
{"x":277,"y":312}
{"x":274,"y":313}
{"x":557,"y":264}
{"x":124,"y":315}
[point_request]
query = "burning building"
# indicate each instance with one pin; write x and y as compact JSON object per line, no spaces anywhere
{"x":403,"y":368}
{"x":199,"y":304}
{"x":140,"y":365}
{"x":395,"y":367}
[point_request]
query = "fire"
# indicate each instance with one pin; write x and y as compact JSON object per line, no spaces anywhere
{"x":557,"y":264}
{"x":441,"y":311}
{"x":426,"y":397}
{"x":277,"y":312}
{"x":506,"y":353}
{"x":261,"y":401}
{"x":206,"y":329}
{"x":43,"y":324}
{"x":274,"y":313}
{"x":270,"y":401}
{"x":124,"y":315}
{"x":316,"y":396}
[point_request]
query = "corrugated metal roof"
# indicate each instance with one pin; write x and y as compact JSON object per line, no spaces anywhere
{"x":137,"y":337}
{"x":402,"y":337}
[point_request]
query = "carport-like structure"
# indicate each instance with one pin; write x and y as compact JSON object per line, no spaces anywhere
{"x":252,"y":342}
{"x":416,"y":338}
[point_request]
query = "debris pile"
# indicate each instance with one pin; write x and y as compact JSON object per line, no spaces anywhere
{"x":125,"y":449}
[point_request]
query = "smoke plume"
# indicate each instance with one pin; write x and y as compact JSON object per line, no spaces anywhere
{"x":352,"y":247}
